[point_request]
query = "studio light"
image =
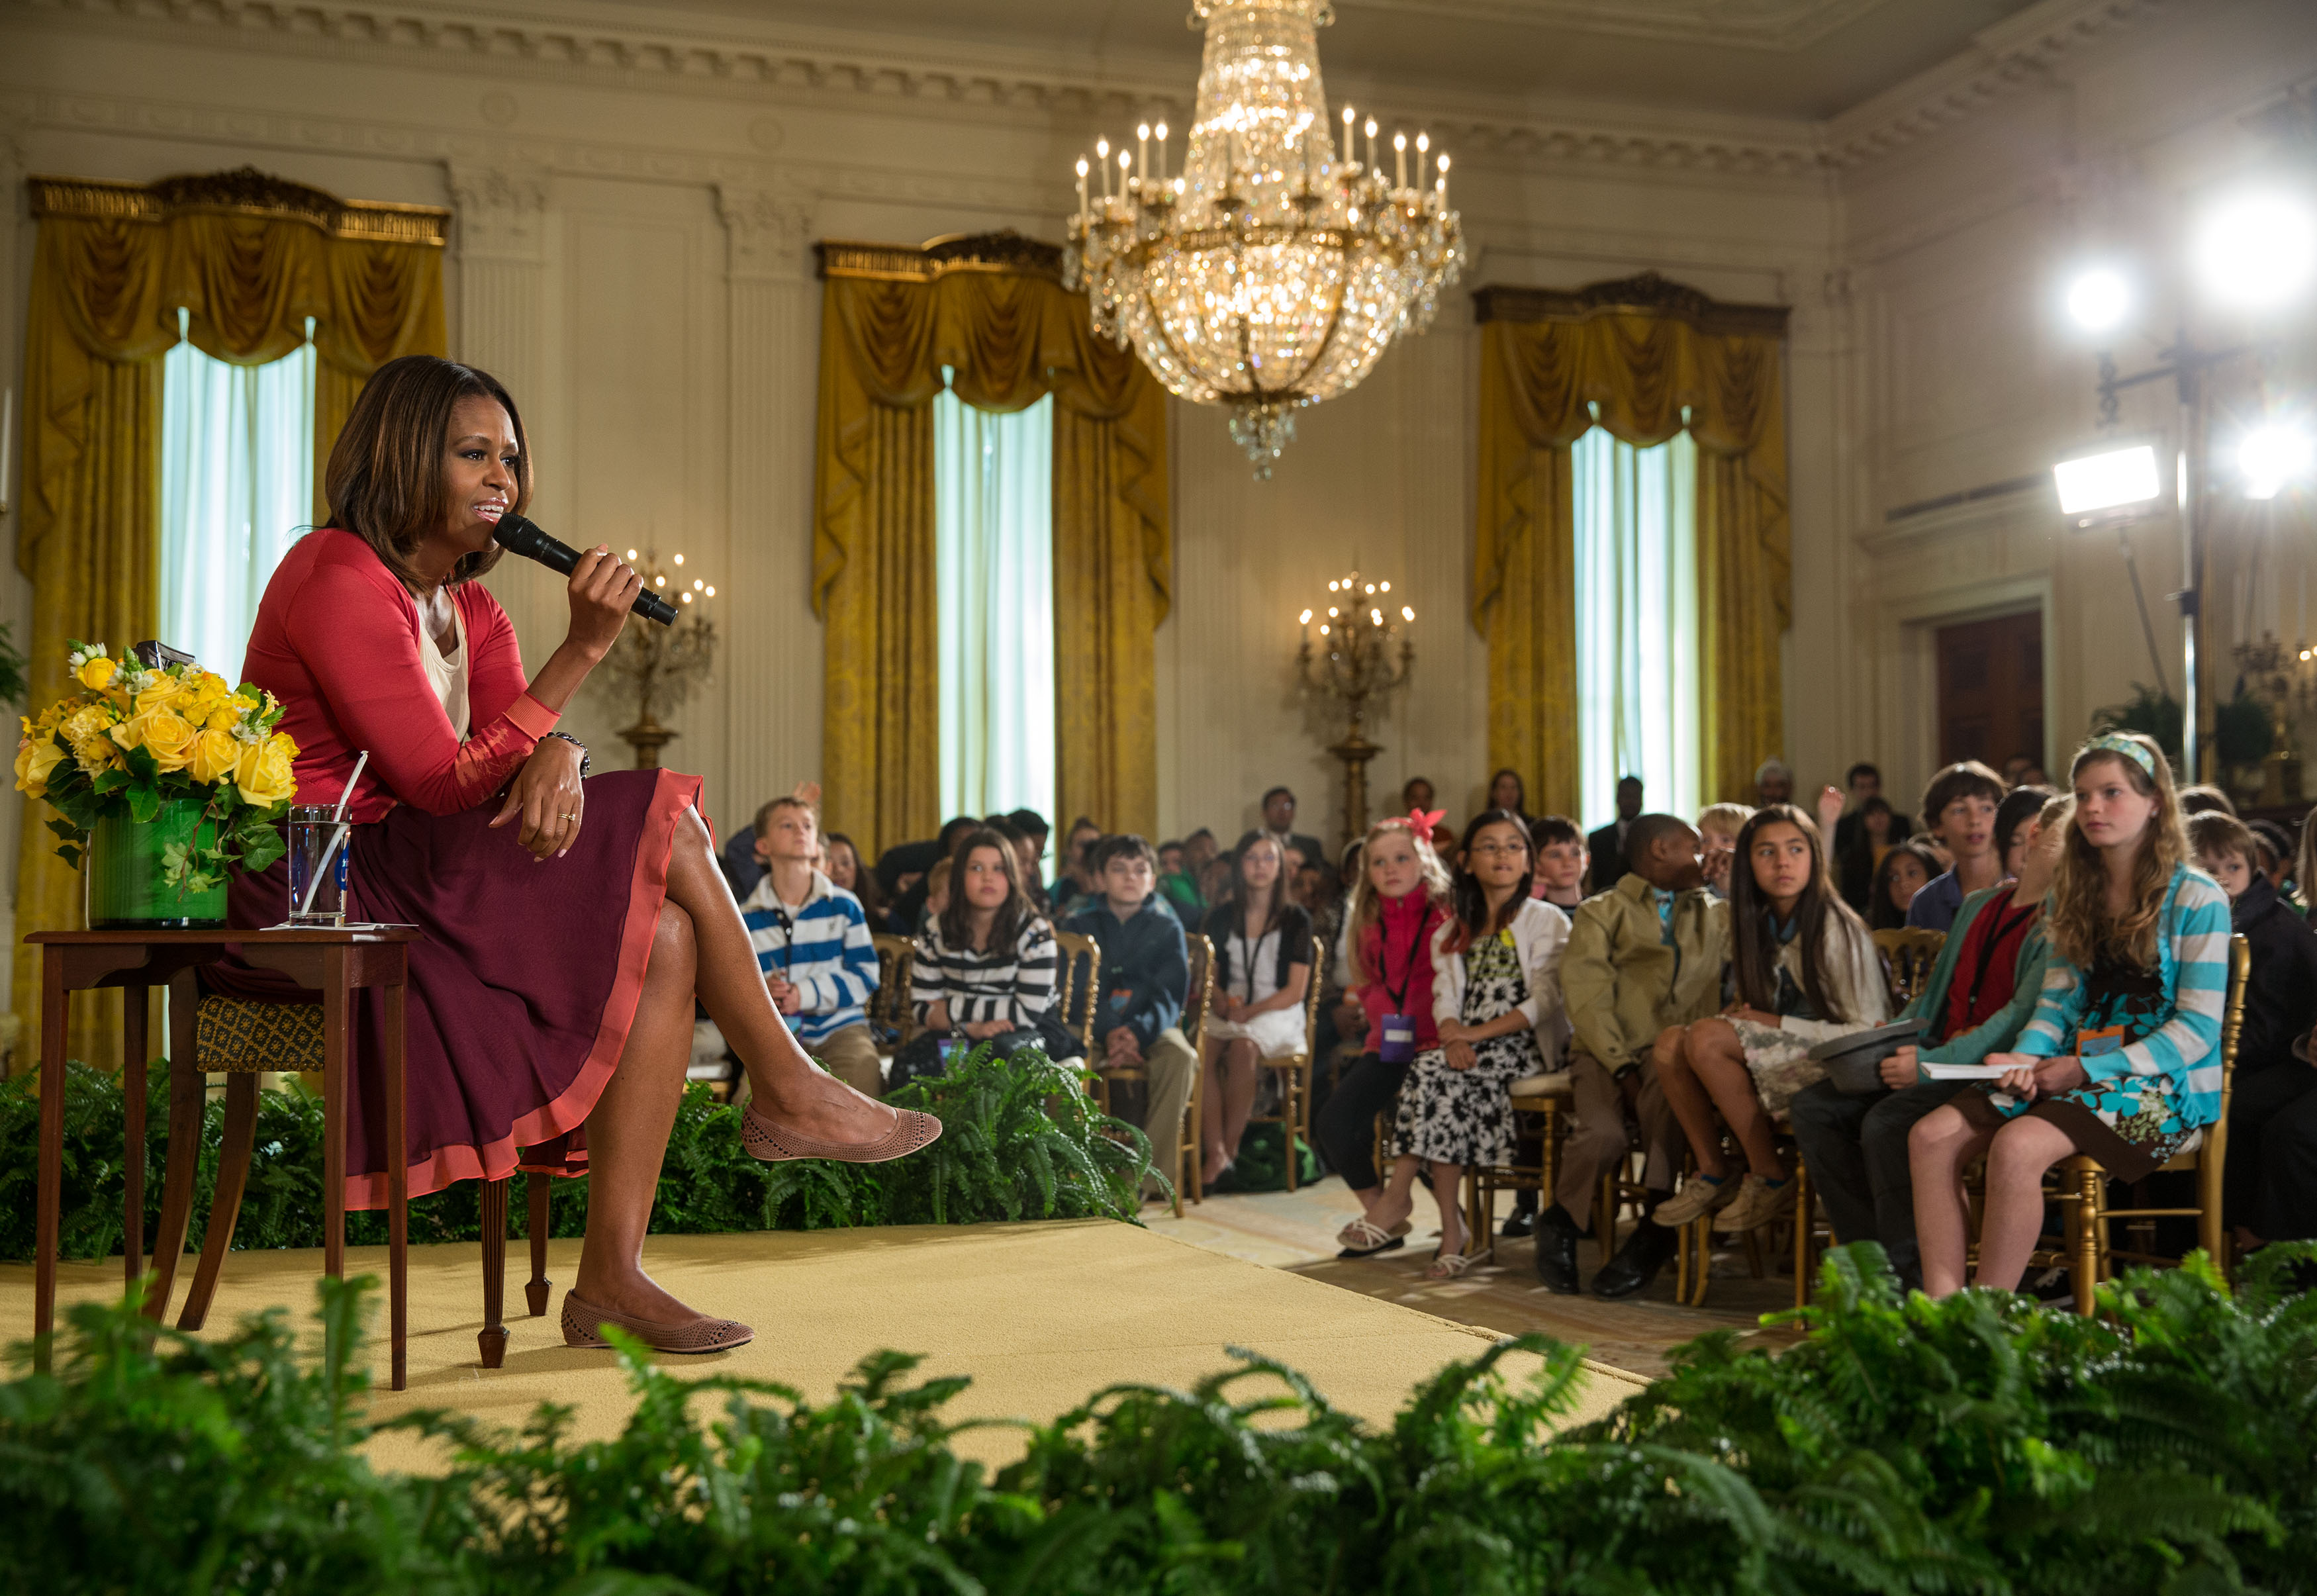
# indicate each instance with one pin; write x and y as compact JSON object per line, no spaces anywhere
{"x":2256,"y":250}
{"x":2273,"y":454}
{"x":2113,"y":483}
{"x":2098,"y":299}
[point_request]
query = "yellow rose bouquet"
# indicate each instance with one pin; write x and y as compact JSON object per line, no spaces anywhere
{"x":135,"y":737}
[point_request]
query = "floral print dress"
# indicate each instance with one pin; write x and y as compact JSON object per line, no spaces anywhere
{"x":2140,"y":1111}
{"x":1465,"y":1117}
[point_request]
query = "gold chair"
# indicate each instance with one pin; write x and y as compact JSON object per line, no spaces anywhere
{"x":1908,"y":954}
{"x":1548,"y":1095}
{"x":1294,"y":1074}
{"x":1078,"y":995}
{"x":1186,"y":1172}
{"x":2087,"y":1249}
{"x":893,"y":1015}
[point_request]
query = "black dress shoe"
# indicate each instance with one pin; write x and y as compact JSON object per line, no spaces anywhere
{"x":1637,"y":1263}
{"x":1556,"y":1255}
{"x":1522,"y":1223}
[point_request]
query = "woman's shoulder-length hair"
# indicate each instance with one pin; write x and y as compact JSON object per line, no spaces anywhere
{"x":385,"y":480}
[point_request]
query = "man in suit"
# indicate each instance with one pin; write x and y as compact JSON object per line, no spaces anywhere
{"x":1607,"y":846}
{"x":1279,"y":823}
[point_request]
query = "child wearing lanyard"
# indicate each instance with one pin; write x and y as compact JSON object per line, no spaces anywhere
{"x":1399,"y":903}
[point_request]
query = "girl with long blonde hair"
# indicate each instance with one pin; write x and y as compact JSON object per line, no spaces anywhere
{"x":1400,"y":900}
{"x":2121,"y":1060}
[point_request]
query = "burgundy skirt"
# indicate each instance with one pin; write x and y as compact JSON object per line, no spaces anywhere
{"x":522,"y":993}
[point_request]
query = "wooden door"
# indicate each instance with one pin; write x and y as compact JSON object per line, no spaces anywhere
{"x":1992,"y":689}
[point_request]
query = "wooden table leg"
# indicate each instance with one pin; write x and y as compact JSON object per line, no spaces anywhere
{"x":333,"y":1115}
{"x":398,"y":1185}
{"x":188,"y":1103}
{"x":225,"y":1205}
{"x":136,"y":1010}
{"x":50,"y":1195}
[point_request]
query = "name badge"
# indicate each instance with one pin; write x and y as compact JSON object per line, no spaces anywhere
{"x":2091,"y":1044}
{"x":1398,"y":1040}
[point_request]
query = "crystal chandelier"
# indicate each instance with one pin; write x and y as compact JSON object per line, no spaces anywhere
{"x":1271,"y":272}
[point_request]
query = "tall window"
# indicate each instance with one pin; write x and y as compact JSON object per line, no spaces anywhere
{"x":236,"y":486}
{"x":1637,"y":643}
{"x":994,"y":561}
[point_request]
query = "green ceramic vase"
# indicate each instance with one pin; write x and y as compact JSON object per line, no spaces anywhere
{"x":125,"y":886}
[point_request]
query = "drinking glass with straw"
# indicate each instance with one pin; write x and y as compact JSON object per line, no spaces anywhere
{"x":318,"y":865}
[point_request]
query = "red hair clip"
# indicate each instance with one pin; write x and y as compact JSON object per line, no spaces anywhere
{"x":1426,"y":821}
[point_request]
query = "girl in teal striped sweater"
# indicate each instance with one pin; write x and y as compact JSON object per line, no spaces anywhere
{"x":2122,"y":1059}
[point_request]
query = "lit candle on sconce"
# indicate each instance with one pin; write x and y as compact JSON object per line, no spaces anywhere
{"x":1161,"y":130}
{"x":1349,"y":159}
{"x":1372,"y":133}
{"x":1102,"y":160}
{"x":1400,"y":160}
{"x":1142,"y":154}
{"x":1443,"y":184}
{"x":1082,"y":193}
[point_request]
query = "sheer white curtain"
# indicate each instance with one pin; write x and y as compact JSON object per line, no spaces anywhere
{"x":994,"y":561}
{"x":237,"y":487}
{"x":1637,"y":641}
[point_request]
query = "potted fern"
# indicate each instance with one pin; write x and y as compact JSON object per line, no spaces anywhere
{"x":164,"y":780}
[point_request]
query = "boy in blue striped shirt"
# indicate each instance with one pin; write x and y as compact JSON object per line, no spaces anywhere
{"x":812,"y":942}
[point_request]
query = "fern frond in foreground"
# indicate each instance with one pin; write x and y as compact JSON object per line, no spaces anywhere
{"x":1982,"y":1444}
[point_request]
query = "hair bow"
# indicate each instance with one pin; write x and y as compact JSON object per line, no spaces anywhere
{"x":1426,"y":821}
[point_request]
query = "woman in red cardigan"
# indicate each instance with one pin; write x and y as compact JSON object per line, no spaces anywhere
{"x":569,"y":925}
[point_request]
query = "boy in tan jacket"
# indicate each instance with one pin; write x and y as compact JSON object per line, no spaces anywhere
{"x":1644,"y":959}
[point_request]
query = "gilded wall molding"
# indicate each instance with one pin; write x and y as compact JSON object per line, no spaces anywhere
{"x":1006,"y":252}
{"x":1648,"y":293}
{"x":243,"y":191}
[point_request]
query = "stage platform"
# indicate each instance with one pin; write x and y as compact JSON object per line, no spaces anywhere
{"x":1041,"y":1315}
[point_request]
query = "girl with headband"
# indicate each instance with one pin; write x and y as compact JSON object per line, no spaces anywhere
{"x":2121,"y":1060}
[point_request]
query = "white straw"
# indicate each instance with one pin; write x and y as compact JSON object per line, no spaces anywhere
{"x":337,"y":836}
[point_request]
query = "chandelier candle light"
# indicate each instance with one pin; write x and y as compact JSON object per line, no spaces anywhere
{"x":1275,"y":270}
{"x":1347,"y":653}
{"x":660,"y":665}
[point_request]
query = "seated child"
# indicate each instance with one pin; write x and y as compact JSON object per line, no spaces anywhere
{"x":1806,"y":972}
{"x":2121,"y":1059}
{"x":1562,"y":862}
{"x":1145,"y":972}
{"x":1980,"y":991}
{"x":2280,"y":1004}
{"x":813,"y":943}
{"x":1718,"y":825}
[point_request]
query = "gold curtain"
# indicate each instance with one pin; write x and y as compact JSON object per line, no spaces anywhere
{"x":992,"y":308}
{"x":1645,"y":351}
{"x":250,"y":259}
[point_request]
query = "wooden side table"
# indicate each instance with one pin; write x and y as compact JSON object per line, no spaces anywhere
{"x":335,"y":962}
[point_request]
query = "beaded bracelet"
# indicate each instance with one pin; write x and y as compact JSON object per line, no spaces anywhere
{"x":575,"y":742}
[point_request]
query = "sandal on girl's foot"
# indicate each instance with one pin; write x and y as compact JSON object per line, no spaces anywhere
{"x":1449,"y":1266}
{"x":912,"y":1132}
{"x":583,"y":1320}
{"x":1362,"y":1239}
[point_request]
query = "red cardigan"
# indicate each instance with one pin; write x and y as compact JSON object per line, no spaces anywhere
{"x":336,"y":642}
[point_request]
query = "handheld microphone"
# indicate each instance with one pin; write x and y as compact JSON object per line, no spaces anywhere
{"x":519,"y":535}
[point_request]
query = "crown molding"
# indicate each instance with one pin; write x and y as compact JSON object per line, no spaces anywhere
{"x":1647,"y":293}
{"x":725,"y":57}
{"x":1005,"y":253}
{"x":2023,"y":51}
{"x":243,"y":191}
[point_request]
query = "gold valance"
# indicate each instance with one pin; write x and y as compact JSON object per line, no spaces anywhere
{"x":1648,"y":358}
{"x":251,"y":258}
{"x":992,"y":308}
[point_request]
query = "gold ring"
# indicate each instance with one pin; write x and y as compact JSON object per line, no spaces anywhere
{"x":571,"y":816}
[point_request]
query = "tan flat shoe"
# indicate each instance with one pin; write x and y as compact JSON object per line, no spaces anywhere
{"x":912,"y":1132}
{"x":582,"y":1320}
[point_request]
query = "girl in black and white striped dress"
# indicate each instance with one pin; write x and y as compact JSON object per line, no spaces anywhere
{"x":986,"y":970}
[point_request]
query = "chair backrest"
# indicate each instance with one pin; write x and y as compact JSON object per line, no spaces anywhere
{"x":2214,"y":1151}
{"x":1311,"y":996}
{"x":892,"y":1017}
{"x":1201,"y":992}
{"x":1908,"y":954}
{"x":1078,"y":989}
